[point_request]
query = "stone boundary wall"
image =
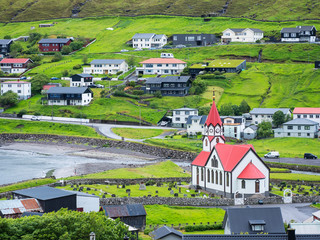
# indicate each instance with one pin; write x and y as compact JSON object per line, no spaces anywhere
{"x":126,"y":181}
{"x":137,"y":147}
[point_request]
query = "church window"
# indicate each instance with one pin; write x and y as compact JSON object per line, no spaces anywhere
{"x":220,"y":178}
{"x":243,"y":184}
{"x":206,"y":142}
{"x":215,"y":161}
{"x":212,"y":176}
{"x":228,"y":179}
{"x":217,"y":177}
{"x":201,"y":174}
{"x":208,"y":177}
{"x":217,"y":140}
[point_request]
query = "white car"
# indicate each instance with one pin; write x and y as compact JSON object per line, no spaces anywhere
{"x":35,"y":118}
{"x":272,"y":155}
{"x":124,"y":50}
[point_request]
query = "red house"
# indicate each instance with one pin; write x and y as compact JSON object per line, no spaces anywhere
{"x":53,"y":44}
{"x":15,"y":65}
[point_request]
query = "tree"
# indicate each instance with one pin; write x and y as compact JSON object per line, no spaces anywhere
{"x":57,"y":57}
{"x":236,"y":110}
{"x":278,"y":118}
{"x":9,"y":99}
{"x":264,"y":130}
{"x":226,"y":110}
{"x":85,"y":59}
{"x":76,"y":45}
{"x":198,"y":87}
{"x":15,"y":49}
{"x":7,"y":37}
{"x":37,"y":83}
{"x":131,"y":61}
{"x":66,"y":49}
{"x":244,"y":107}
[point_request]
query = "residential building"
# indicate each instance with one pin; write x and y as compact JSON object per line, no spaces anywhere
{"x":161,"y":66}
{"x":23,"y":89}
{"x":180,"y":116}
{"x":250,"y":132}
{"x":69,"y":96}
{"x":131,"y":214}
{"x":299,"y":34}
{"x":233,"y":126}
{"x":106,"y":66}
{"x":260,"y":115}
{"x":169,"y":86}
{"x":193,"y":39}
{"x":149,"y":40}
{"x":241,"y":35}
{"x":15,"y":208}
{"x":307,"y":113}
{"x":306,"y":228}
{"x":225,"y":169}
{"x":46,"y":87}
{"x":5,"y":47}
{"x":298,"y":127}
{"x":15,"y":65}
{"x":166,"y":233}
{"x":50,"y":199}
{"x":195,"y":124}
{"x":249,"y":220}
{"x":222,"y":65}
{"x":53,"y":44}
{"x":81,"y":80}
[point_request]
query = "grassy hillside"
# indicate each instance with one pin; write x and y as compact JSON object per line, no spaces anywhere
{"x":28,"y":10}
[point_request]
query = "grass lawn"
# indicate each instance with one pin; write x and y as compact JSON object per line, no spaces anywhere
{"x":31,"y":127}
{"x":295,"y":177}
{"x":279,"y":170}
{"x":108,"y":190}
{"x":163,"y":214}
{"x":138,"y":133}
{"x":27,"y":184}
{"x":316,"y":205}
{"x":158,"y":170}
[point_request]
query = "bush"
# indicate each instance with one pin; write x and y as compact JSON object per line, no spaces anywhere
{"x":66,"y":49}
{"x":22,"y":112}
{"x":65,"y":73}
{"x":119,"y":93}
{"x":147,"y":231}
{"x":157,"y":94}
{"x":57,"y":57}
{"x":137,"y":92}
{"x":80,"y":115}
{"x":78,"y":66}
{"x":203,"y":227}
{"x":150,"y":183}
{"x":153,"y":105}
{"x":120,"y":72}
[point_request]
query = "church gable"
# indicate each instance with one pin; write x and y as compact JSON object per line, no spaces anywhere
{"x":214,"y":161}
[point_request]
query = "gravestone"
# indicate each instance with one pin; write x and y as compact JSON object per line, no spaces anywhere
{"x":123,"y":186}
{"x":128,"y":190}
{"x":171,"y":192}
{"x":157,"y":191}
{"x":287,"y":196}
{"x":142,"y":186}
{"x":176,"y":195}
{"x":185,"y":195}
{"x":113,"y":195}
{"x":179,"y":190}
{"x":169,"y":188}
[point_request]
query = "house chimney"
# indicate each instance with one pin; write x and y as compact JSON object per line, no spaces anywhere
{"x":291,"y":234}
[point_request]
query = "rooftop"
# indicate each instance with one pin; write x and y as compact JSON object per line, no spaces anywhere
{"x":165,"y":231}
{"x":219,"y":63}
{"x":68,"y":90}
{"x":269,"y":110}
{"x":301,"y":121}
{"x":173,"y":79}
{"x":15,"y":60}
{"x":163,"y":60}
{"x":5,"y":41}
{"x":84,"y":75}
{"x":301,"y":110}
{"x":143,"y":35}
{"x":115,"y":211}
{"x":54,"y":40}
{"x":107,"y":61}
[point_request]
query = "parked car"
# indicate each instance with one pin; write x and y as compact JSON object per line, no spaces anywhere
{"x":272,"y":155}
{"x":100,"y":86}
{"x":138,"y":49}
{"x":92,"y":86}
{"x":23,"y":78}
{"x":309,"y":156}
{"x":35,"y":118}
{"x":105,"y":78}
{"x":54,"y":78}
{"x":180,"y":46}
{"x":124,"y":50}
{"x":167,"y":47}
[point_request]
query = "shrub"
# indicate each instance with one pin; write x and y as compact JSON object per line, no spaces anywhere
{"x":120,"y":72}
{"x":150,"y":183}
{"x":65,"y":73}
{"x":66,"y":49}
{"x":157,"y":94}
{"x":57,"y":57}
{"x":78,"y":66}
{"x":191,"y":228}
{"x":137,"y":92}
{"x":147,"y":231}
{"x":22,"y":112}
{"x":80,"y":115}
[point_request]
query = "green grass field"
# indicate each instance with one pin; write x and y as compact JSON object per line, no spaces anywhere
{"x":30,"y":127}
{"x":158,"y":170}
{"x":295,"y":177}
{"x":138,"y":133}
{"x":27,"y":184}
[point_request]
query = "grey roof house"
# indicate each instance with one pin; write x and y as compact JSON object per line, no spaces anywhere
{"x":166,"y":233}
{"x":260,"y":115}
{"x":194,"y":39}
{"x":250,"y":132}
{"x":106,"y":66}
{"x":5,"y":46}
{"x":299,"y":34}
{"x":81,"y":80}
{"x":69,"y":96}
{"x":149,"y":40}
{"x":299,"y":127}
{"x":195,"y":124}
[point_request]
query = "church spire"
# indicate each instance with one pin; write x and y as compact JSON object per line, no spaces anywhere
{"x":213,"y":116}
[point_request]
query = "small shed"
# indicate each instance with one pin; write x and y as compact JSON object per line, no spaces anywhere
{"x":15,"y":208}
{"x":317,"y":64}
{"x":166,"y":233}
{"x":86,"y":202}
{"x":50,"y":199}
{"x":131,"y":214}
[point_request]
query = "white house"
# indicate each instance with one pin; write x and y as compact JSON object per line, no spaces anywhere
{"x":227,"y":169}
{"x":106,"y":66}
{"x":23,"y":89}
{"x":81,"y":80}
{"x":233,"y":126}
{"x":149,"y":40}
{"x":180,"y":116}
{"x":307,"y":113}
{"x":163,"y":65}
{"x":241,"y":35}
{"x":250,"y":132}
{"x":299,"y":34}
{"x":69,"y":96}
{"x":260,"y":115}
{"x":86,"y":202}
{"x":298,"y":127}
{"x":15,"y":65}
{"x":195,"y":124}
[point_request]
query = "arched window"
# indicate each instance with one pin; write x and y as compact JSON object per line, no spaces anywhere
{"x":201,"y":174}
{"x":220,"y":178}
{"x":243,"y":184}
{"x":208,"y":177}
{"x":217,"y":140}
{"x":227,"y":179}
{"x":206,"y":142}
{"x":217,"y":177}
{"x":215,"y":162}
{"x":212,"y":176}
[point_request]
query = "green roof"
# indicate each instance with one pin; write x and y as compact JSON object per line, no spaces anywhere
{"x":219,"y":63}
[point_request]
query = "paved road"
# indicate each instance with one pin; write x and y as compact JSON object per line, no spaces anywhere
{"x":298,"y":212}
{"x":314,"y":162}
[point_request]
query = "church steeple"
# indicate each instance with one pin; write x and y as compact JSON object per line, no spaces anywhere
{"x":213,"y":129}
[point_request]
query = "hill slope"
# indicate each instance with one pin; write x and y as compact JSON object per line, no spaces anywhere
{"x":28,"y":10}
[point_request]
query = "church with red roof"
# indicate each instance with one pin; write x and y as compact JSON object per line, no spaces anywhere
{"x":226,"y":169}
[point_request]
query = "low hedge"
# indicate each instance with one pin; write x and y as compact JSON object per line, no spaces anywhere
{"x":194,"y":228}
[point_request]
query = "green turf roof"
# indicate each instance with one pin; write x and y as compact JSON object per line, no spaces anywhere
{"x":220,"y":63}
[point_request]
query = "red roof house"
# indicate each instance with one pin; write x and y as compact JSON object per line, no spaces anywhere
{"x":14,"y":65}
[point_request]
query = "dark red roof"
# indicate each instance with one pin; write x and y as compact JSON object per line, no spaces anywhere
{"x":213,"y":137}
{"x":47,"y":87}
{"x":251,"y":172}
{"x":201,"y":159}
{"x":213,"y":117}
{"x":14,"y":60}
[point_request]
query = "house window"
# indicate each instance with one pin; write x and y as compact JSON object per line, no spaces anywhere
{"x":308,"y":134}
{"x":317,"y":116}
{"x":198,"y":38}
{"x":243,"y":184}
{"x":299,"y":127}
{"x":208,"y":177}
{"x":212,"y":176}
{"x":286,"y":35}
{"x":257,"y":227}
{"x":206,"y":142}
{"x":306,"y":127}
{"x":177,"y":119}
{"x":201,"y":174}
{"x":159,"y":65}
{"x":293,"y":35}
{"x":299,"y":116}
{"x":190,"y":38}
{"x":227,"y":34}
{"x":311,"y":116}
{"x":187,"y":112}
{"x":305,"y":116}
{"x":288,"y":134}
{"x":220,"y":178}
{"x":299,"y":134}
{"x":177,"y":112}
{"x":290,"y":127}
{"x":175,"y":38}
{"x":148,"y":65}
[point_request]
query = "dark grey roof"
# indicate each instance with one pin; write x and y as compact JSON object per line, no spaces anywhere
{"x":107,"y":61}
{"x":290,"y":30}
{"x":253,"y":127}
{"x":305,"y":28}
{"x":202,"y":119}
{"x":239,"y":219}
{"x":301,"y":121}
{"x":82,"y":194}
{"x":165,"y":231}
{"x":237,"y":29}
{"x":83,"y":75}
{"x":128,"y":210}
{"x":158,"y":36}
{"x":43,"y":193}
{"x":5,"y":41}
{"x":143,"y":35}
{"x":67,"y":90}
{"x":173,"y":79}
{"x":269,"y":110}
{"x":237,"y":119}
{"x":27,"y":214}
{"x":236,"y":237}
{"x":256,"y":30}
{"x":54,"y":40}
{"x":185,"y":109}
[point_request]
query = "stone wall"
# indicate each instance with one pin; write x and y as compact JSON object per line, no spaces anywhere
{"x":137,"y":147}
